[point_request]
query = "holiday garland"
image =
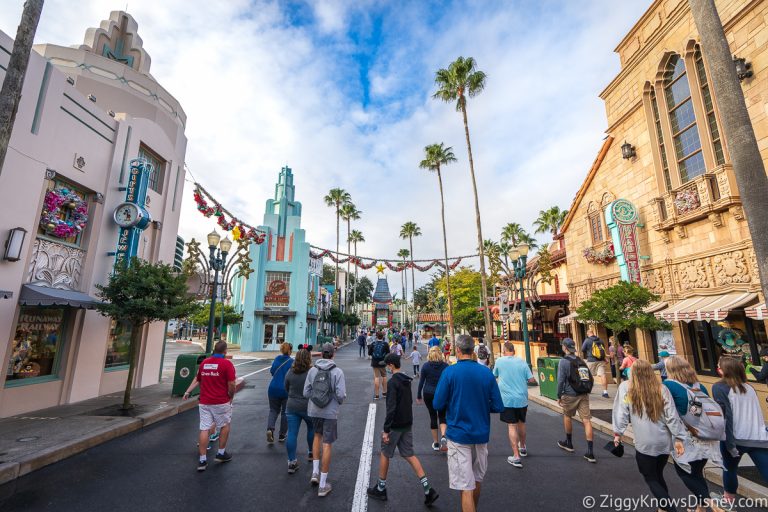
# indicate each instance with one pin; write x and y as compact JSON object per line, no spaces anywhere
{"x":239,"y":229}
{"x":55,"y":221}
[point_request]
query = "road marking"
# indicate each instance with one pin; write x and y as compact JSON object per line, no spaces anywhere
{"x":360,"y":502}
{"x":248,"y":362}
{"x":257,"y":371}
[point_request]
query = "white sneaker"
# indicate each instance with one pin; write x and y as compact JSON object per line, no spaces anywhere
{"x":315,"y":480}
{"x":515,"y":462}
{"x":324,"y":491}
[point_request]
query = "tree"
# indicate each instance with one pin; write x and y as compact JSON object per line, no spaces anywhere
{"x":410,"y":230}
{"x":201,"y":314}
{"x":748,"y":167}
{"x":140,"y":293}
{"x":336,"y":198}
{"x":454,"y":83}
{"x":355,"y":236}
{"x":363,"y":290}
{"x":550,"y":220}
{"x":435,"y":156}
{"x":349,"y":212}
{"x":467,"y":285}
{"x":621,"y":308}
{"x":328,"y":274}
{"x":514,"y":234}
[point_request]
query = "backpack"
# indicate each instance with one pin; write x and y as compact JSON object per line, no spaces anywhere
{"x":482,"y":352}
{"x":378,"y":350}
{"x":322,"y":387}
{"x":704,"y":417}
{"x":580,"y":378}
{"x":598,"y":350}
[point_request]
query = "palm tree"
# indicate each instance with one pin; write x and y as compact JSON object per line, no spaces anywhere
{"x":436,"y":155}
{"x":355,"y":236}
{"x":550,"y":220}
{"x":404,"y":253}
{"x":410,"y":230}
{"x":748,"y":167}
{"x":10,"y":95}
{"x":348,"y":212}
{"x":455,"y":83}
{"x":336,"y":198}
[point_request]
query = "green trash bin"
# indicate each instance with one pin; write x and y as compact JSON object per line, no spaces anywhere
{"x":547,"y":371}
{"x":186,"y":369}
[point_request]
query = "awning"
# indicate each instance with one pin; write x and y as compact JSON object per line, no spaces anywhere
{"x":653,"y":307}
{"x":567,"y":319}
{"x":757,"y":312}
{"x":274,"y":312}
{"x":32,"y":295}
{"x":706,"y":308}
{"x":4,"y":294}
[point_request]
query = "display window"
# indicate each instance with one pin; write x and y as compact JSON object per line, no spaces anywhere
{"x":37,"y":343}
{"x":118,"y":344}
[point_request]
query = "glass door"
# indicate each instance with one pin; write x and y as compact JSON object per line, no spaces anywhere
{"x":280,"y":330}
{"x":269,"y":330}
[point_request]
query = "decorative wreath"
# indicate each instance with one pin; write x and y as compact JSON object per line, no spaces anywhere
{"x":55,"y":222}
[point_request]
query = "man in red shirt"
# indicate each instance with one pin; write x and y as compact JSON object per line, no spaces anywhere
{"x":216,"y":377}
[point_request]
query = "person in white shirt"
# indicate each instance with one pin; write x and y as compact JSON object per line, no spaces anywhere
{"x":415,"y":356}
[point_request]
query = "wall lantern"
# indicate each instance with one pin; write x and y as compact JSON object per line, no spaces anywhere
{"x":743,"y":68}
{"x":14,"y":244}
{"x":627,"y":151}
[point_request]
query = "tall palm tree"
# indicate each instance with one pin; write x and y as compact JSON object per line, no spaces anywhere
{"x":748,"y":167}
{"x":349,"y":212}
{"x":435,"y":156}
{"x":10,"y":95}
{"x":336,"y":198}
{"x":460,"y":80}
{"x":355,"y":236}
{"x":410,"y":230}
{"x":550,"y":220}
{"x":404,"y":253}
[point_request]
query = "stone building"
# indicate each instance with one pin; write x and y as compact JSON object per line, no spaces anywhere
{"x":660,"y":205}
{"x":85,"y":113}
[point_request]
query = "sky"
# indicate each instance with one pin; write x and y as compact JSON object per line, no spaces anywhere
{"x":341,"y":92}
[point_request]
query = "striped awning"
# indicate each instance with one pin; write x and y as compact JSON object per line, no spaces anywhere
{"x":655,"y":306}
{"x":757,"y":312}
{"x":706,"y":308}
{"x":565,"y":320}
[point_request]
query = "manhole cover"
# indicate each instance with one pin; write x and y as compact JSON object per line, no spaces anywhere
{"x":27,"y":439}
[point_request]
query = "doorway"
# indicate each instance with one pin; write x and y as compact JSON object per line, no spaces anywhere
{"x":274,"y":335}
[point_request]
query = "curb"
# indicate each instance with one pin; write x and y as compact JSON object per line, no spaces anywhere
{"x":747,"y":488}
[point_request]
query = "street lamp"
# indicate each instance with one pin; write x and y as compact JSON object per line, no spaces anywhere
{"x":519,"y":255}
{"x":217,"y":261}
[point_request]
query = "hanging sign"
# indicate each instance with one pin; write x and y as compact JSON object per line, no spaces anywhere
{"x":131,"y":215}
{"x":277,"y":294}
{"x":621,"y":219}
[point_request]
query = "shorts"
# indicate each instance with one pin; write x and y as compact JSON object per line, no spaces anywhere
{"x":597,"y":368}
{"x":327,"y":428}
{"x":513,"y":414}
{"x":467,"y":464}
{"x":219,"y":415}
{"x":573,"y":404}
{"x":403,"y":441}
{"x":379,"y":371}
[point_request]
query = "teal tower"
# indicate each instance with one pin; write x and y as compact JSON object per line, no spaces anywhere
{"x":279,"y":299}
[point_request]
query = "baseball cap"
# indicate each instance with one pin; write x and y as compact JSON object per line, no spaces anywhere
{"x":328,"y":348}
{"x":569,"y":345}
{"x":764,"y":352}
{"x":663,"y":353}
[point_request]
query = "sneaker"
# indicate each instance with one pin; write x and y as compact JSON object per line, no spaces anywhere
{"x":605,"y":394}
{"x":281,"y":438}
{"x":324,"y":491}
{"x":376,"y":494}
{"x":270,"y":437}
{"x":523,"y":451}
{"x":309,"y":457}
{"x":436,"y":447}
{"x":431,"y":497}
{"x":215,"y":436}
{"x":375,"y":397}
{"x":590,"y":457}
{"x":293,"y":466}
{"x":443,"y":444}
{"x":565,"y":445}
{"x":384,"y":396}
{"x":202,"y":465}
{"x":223,"y":457}
{"x":315,"y":480}
{"x":210,"y":444}
{"x":515,"y":462}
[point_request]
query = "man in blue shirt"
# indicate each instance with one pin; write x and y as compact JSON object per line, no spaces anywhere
{"x":469,"y":394}
{"x":433,"y":341}
{"x":514,"y":375}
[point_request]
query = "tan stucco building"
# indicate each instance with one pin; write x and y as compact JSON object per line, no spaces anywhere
{"x":692,"y":241}
{"x":85,"y":113}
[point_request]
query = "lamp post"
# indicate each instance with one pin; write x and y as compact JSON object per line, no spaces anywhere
{"x":519,"y":256}
{"x":217,"y":261}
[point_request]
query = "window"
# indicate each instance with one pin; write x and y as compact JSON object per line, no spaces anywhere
{"x":596,"y":228}
{"x":278,"y":287}
{"x":685,"y":135}
{"x":36,"y":343}
{"x":706,"y":96}
{"x":118,"y":344}
{"x":63,"y":219}
{"x":660,"y":141}
{"x":158,"y":168}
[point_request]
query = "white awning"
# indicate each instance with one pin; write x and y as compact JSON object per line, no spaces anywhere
{"x":700,"y":308}
{"x":567,"y":319}
{"x":655,"y":306}
{"x":758,"y":312}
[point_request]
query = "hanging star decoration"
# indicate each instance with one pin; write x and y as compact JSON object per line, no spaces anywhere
{"x":380,"y":268}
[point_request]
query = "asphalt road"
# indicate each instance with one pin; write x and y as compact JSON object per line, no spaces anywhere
{"x":154,"y":469}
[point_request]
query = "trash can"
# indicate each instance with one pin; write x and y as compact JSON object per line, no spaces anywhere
{"x":186,"y":369}
{"x":547,"y":370}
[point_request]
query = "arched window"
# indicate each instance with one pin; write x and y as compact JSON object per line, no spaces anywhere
{"x":706,"y":96}
{"x":685,"y":135}
{"x":660,"y":140}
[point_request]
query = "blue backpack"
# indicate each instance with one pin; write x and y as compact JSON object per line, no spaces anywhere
{"x":378,"y":350}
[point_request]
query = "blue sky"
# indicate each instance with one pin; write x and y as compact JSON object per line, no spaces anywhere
{"x":341,"y":92}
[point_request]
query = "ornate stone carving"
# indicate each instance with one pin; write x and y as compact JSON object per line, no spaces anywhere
{"x":731,"y":268}
{"x":687,"y":200}
{"x":55,"y":265}
{"x":716,"y":219}
{"x":607,"y":198}
{"x":117,"y":39}
{"x":737,"y":212}
{"x":680,"y":230}
{"x":723,"y":184}
{"x":754,"y":271}
{"x":693,"y":275}
{"x":664,"y":236}
{"x":654,"y":282}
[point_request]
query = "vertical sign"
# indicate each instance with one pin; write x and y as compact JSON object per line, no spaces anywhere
{"x":136,"y":193}
{"x":621,"y":219}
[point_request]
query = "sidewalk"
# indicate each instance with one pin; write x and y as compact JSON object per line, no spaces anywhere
{"x":602,"y":409}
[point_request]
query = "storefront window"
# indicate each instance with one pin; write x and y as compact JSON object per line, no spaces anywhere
{"x":118,"y":344}
{"x":36,"y":343}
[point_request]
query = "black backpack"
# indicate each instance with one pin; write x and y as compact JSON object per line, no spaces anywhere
{"x":482,"y":352}
{"x":580,"y":378}
{"x":322,"y":387}
{"x":379,"y":351}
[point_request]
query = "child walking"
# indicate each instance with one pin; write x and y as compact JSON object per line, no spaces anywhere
{"x":415,"y":360}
